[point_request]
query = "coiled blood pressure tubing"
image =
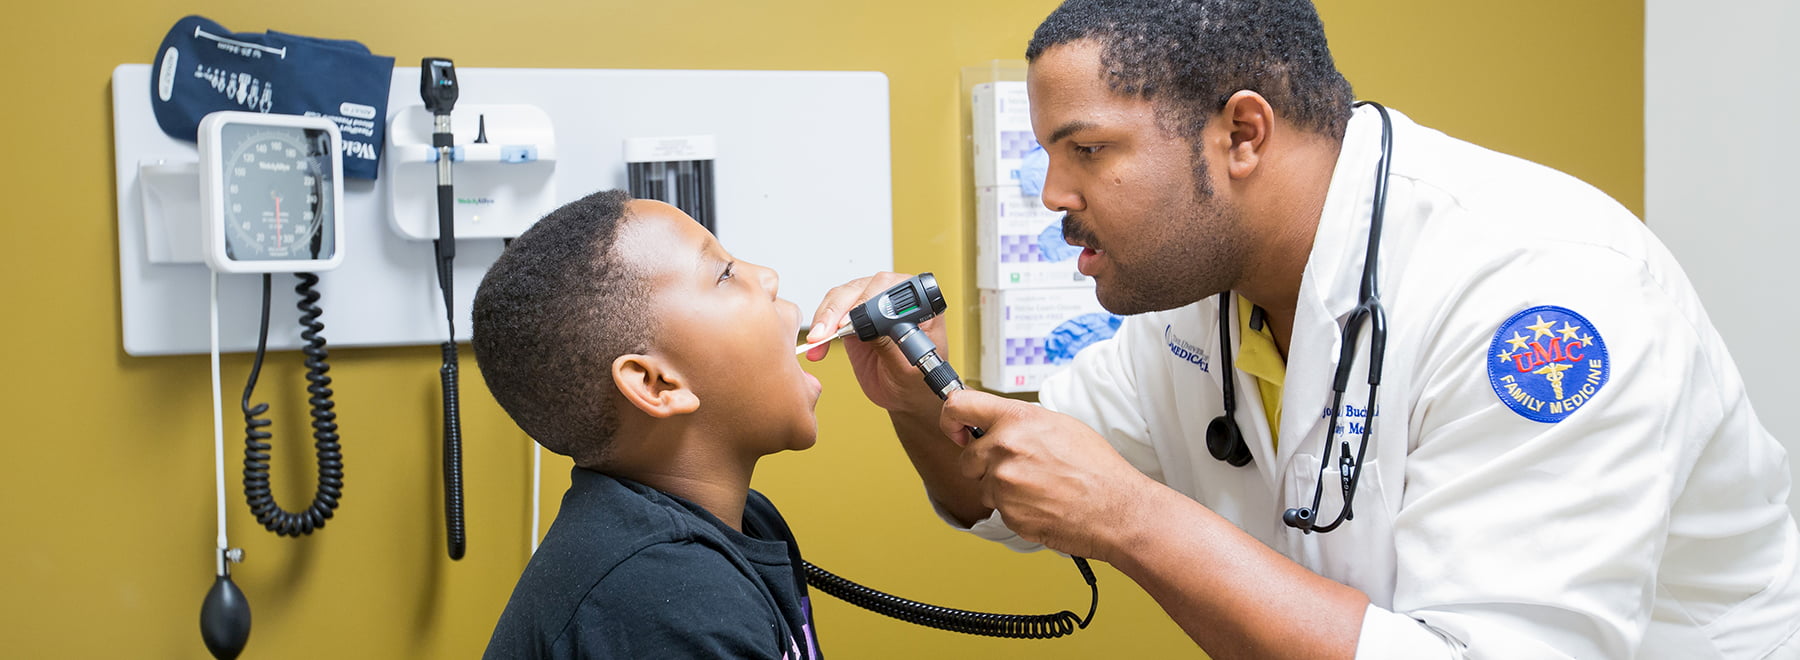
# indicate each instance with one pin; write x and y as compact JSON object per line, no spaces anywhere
{"x":896,"y":315}
{"x":271,"y":191}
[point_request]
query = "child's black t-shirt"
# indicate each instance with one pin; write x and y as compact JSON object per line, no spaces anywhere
{"x":628,"y":571}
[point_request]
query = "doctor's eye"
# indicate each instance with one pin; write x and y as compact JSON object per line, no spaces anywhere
{"x":1088,"y":150}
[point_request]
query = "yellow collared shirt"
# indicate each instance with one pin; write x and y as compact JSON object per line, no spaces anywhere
{"x":1258,"y":356}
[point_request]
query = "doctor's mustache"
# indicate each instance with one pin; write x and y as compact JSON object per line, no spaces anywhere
{"x":1075,"y":232}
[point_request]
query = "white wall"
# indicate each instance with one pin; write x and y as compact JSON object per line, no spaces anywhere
{"x":1722,"y":173}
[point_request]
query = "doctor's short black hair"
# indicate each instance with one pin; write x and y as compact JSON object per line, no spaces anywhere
{"x":1190,"y":56}
{"x":550,"y":317}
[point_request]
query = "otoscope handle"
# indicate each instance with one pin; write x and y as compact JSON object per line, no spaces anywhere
{"x":940,"y":376}
{"x":942,"y":379}
{"x":446,"y":244}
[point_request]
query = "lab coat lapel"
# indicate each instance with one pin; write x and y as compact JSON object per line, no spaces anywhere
{"x":1329,"y":291}
{"x":1251,"y":420}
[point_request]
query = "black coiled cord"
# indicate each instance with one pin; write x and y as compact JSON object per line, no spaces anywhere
{"x":324,"y":424}
{"x":453,"y":490}
{"x":455,"y":535}
{"x":1013,"y":626}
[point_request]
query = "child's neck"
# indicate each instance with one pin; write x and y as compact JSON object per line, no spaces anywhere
{"x":701,"y":470}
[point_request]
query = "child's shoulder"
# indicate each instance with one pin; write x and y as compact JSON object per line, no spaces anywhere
{"x":619,"y":516}
{"x":629,"y":571}
{"x":607,"y":524}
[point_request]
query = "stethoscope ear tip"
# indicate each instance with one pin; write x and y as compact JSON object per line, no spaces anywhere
{"x":1300,"y":519}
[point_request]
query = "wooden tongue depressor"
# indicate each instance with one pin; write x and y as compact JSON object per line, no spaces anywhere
{"x":842,"y":332}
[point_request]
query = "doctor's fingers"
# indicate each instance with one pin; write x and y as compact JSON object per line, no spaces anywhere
{"x":834,"y":312}
{"x":965,"y":408}
{"x":836,"y":305}
{"x":1007,"y":487}
{"x":997,"y":458}
{"x":974,"y":459}
{"x":982,"y":461}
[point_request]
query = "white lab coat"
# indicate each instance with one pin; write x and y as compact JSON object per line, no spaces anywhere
{"x":1650,"y":523}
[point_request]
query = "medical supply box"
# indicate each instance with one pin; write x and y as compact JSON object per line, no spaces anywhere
{"x":1001,"y":115}
{"x":1028,"y":334}
{"x":1019,"y":243}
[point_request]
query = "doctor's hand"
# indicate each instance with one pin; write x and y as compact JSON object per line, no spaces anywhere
{"x":1054,"y":480}
{"x":886,"y":377}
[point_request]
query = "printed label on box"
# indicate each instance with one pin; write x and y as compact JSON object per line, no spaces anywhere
{"x":1028,"y":334}
{"x":1002,"y":125}
{"x":1019,"y":243}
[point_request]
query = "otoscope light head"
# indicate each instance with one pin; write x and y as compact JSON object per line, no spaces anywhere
{"x":934,"y":297}
{"x":896,"y":314}
{"x":903,"y":305}
{"x":437,"y":84}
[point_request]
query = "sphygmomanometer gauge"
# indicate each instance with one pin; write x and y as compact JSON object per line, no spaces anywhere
{"x":271,"y":187}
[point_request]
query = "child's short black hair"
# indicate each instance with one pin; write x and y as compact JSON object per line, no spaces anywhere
{"x":551,"y":316}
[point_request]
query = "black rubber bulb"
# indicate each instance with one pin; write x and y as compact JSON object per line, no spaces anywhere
{"x":225,"y":619}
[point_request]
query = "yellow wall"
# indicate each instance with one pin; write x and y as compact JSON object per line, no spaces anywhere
{"x":108,"y":471}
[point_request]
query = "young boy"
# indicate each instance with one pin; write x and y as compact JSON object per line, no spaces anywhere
{"x":619,"y":333}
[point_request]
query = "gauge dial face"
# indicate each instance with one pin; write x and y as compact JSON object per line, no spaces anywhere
{"x":277,"y":188}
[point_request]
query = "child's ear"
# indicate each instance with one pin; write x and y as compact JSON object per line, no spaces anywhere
{"x":653,"y":386}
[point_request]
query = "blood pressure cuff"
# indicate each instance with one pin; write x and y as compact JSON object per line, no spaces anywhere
{"x":202,"y":68}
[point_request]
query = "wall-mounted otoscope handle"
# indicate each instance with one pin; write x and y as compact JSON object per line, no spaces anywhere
{"x":438,"y":89}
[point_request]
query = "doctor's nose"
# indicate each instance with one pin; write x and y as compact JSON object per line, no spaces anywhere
{"x":1059,"y":190}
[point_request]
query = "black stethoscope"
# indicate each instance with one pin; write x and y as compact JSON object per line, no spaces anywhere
{"x":1226,"y":441}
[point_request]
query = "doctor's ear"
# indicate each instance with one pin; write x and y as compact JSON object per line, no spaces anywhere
{"x":654,"y":386}
{"x":1251,"y":121}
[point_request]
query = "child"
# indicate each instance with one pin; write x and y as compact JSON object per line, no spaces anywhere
{"x":619,"y":333}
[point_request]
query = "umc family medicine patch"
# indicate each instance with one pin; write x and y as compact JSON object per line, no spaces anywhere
{"x":1546,"y":362}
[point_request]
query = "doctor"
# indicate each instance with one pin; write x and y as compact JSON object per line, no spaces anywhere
{"x":1559,"y":461}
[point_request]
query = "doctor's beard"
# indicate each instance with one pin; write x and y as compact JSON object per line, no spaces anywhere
{"x":1193,"y":249}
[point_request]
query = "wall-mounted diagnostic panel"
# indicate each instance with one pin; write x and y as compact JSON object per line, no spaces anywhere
{"x":797,"y":178}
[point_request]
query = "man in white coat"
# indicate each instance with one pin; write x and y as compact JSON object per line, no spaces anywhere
{"x":1560,"y":460}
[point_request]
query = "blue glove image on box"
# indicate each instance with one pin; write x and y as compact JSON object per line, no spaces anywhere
{"x":1052,"y":247}
{"x":1061,"y":345}
{"x":1034,"y":167}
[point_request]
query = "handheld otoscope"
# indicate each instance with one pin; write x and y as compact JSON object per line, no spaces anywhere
{"x":437,"y":86}
{"x":896,"y":314}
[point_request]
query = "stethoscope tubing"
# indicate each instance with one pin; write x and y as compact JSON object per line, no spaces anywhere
{"x":1368,"y":311}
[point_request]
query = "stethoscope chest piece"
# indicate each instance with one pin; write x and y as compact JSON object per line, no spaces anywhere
{"x":1226,"y":441}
